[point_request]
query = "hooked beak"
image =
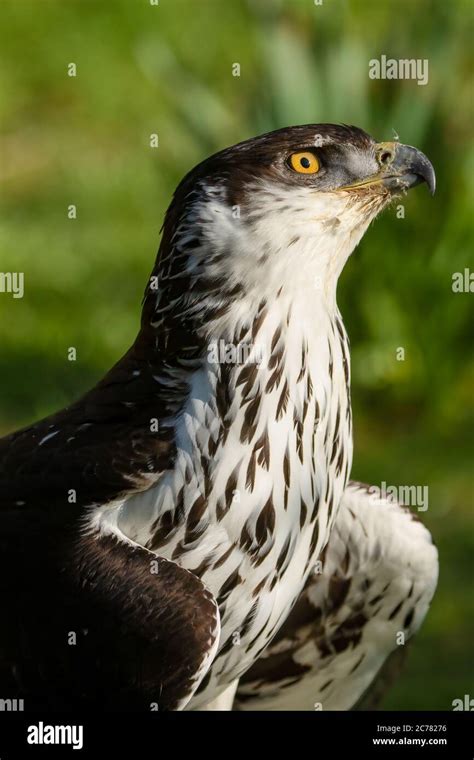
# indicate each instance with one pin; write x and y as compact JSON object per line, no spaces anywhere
{"x":401,"y":167}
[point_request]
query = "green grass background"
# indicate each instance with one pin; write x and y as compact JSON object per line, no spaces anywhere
{"x":167,"y":69}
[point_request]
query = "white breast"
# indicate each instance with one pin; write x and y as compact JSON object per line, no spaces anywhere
{"x":212,"y":465}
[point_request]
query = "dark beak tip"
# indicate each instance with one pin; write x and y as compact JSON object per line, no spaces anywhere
{"x":430,"y":181}
{"x":429,"y":177}
{"x":423,"y":168}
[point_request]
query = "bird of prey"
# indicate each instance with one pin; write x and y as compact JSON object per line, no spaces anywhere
{"x":185,"y":535}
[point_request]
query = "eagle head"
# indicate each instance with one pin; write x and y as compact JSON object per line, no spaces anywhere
{"x":279,"y":212}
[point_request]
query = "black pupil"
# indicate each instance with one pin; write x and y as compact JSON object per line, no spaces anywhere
{"x":305,"y":163}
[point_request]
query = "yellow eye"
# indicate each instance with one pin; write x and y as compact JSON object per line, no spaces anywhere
{"x":304,"y":162}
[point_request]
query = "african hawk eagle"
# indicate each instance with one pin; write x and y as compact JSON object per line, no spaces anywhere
{"x":189,"y":523}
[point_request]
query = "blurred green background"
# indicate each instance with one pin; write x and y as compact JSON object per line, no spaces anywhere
{"x":167,"y":69}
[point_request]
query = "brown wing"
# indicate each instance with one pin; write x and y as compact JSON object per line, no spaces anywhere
{"x":111,"y":441}
{"x":116,"y":628}
{"x":88,"y":623}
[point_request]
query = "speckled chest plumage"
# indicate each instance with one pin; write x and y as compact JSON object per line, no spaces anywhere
{"x":264,"y":453}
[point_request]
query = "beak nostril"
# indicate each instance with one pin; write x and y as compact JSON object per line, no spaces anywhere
{"x":385,"y":157}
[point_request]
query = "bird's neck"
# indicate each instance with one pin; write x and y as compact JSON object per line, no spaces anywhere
{"x":265,"y":428}
{"x":288,"y":359}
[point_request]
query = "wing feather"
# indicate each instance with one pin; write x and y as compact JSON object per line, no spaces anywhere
{"x":379,"y":573}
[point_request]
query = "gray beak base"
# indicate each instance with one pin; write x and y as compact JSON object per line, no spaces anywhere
{"x":407,"y":168}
